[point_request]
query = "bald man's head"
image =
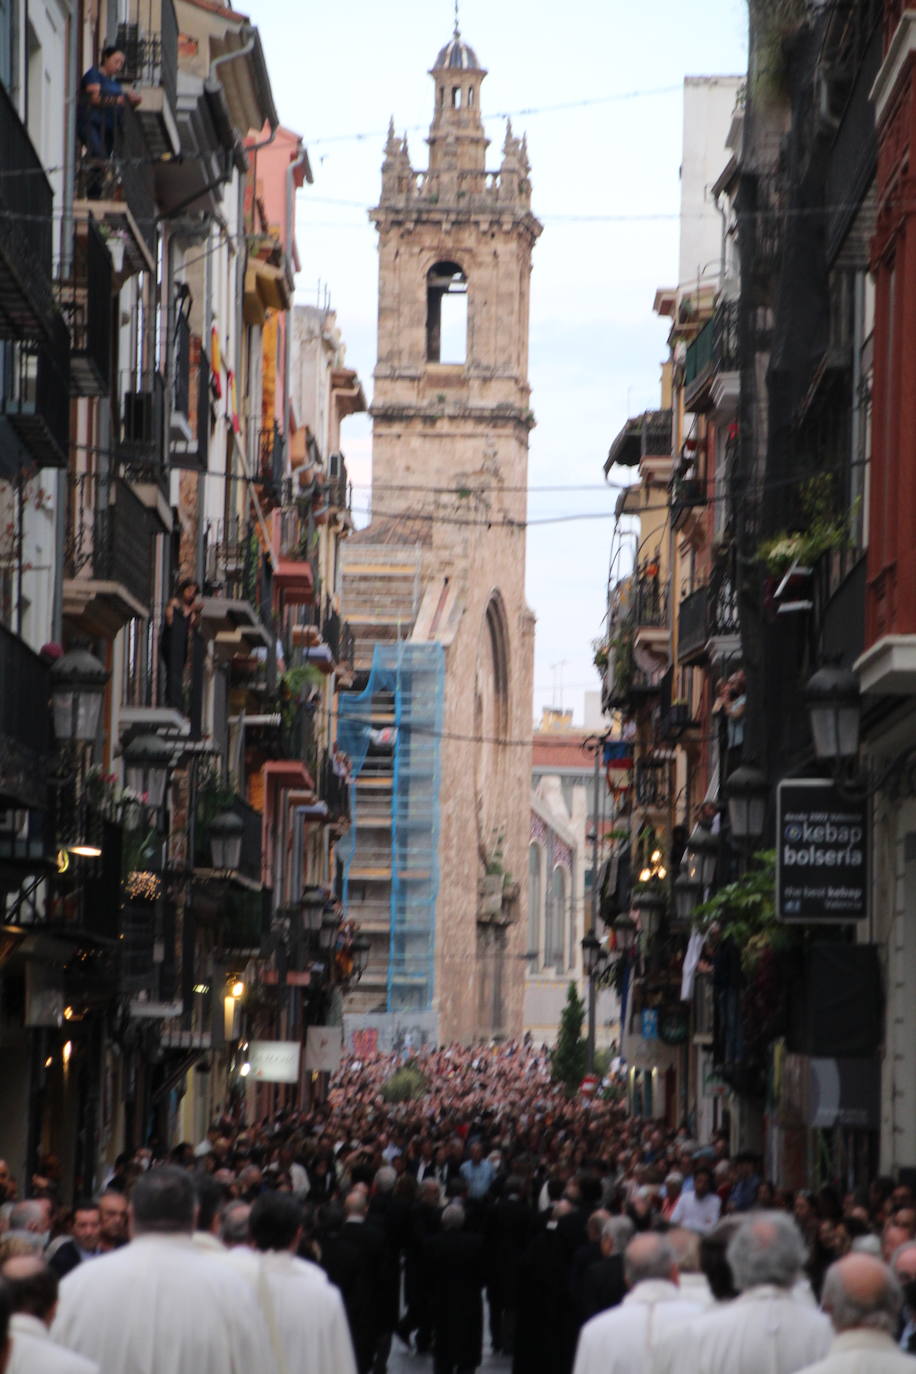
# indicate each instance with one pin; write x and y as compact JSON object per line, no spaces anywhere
{"x":649,"y":1256}
{"x":860,"y":1291}
{"x":32,"y":1286}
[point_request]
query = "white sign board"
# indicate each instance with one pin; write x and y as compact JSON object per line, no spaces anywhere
{"x":274,"y":1061}
{"x":323,"y":1048}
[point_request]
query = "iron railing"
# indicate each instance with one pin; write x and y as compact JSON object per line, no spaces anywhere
{"x":109,"y":534}
{"x":181,"y":386}
{"x":686,"y":493}
{"x":652,"y":783}
{"x":698,"y":356}
{"x":38,"y":406}
{"x":125,"y":175}
{"x":85,"y":300}
{"x":715,"y":349}
{"x":164,"y":666}
{"x":335,"y":790}
{"x":692,"y":625}
{"x":651,"y":603}
{"x":708,"y":612}
{"x":149,"y":40}
{"x":298,"y":533}
{"x":26,"y":230}
{"x":141,"y":437}
{"x":298,"y":739}
{"x":196,"y":455}
{"x":25,"y":722}
{"x":237,"y":568}
{"x":272,"y":460}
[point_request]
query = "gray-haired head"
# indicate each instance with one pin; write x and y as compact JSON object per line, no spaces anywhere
{"x":767,"y":1248}
{"x":163,"y":1201}
{"x":649,"y":1256}
{"x":453,"y":1217}
{"x":385,"y":1179}
{"x":861,"y":1291}
{"x":617,"y":1232}
{"x":867,"y":1245}
{"x":27,"y":1215}
{"x":686,"y":1247}
{"x":233,"y":1223}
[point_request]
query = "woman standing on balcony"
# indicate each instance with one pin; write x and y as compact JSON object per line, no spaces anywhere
{"x":101,"y":99}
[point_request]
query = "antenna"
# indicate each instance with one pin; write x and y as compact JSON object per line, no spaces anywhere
{"x":457,"y":31}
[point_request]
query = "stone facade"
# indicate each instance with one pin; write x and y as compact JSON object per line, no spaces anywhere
{"x":450,"y":457}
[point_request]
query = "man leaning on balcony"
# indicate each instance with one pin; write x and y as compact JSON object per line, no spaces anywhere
{"x":101,"y":99}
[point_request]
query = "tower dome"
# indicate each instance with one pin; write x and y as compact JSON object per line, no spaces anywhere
{"x":457,"y":56}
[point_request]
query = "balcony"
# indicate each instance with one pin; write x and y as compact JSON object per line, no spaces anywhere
{"x":297,"y":544}
{"x":118,"y":191}
{"x":652,"y":784}
{"x":268,"y":279}
{"x":25,"y":723}
{"x":238,"y":591}
{"x":38,"y":406}
{"x":163,"y":677}
{"x":148,"y":37}
{"x":85,"y":300}
{"x":271,"y":460}
{"x":180,"y":417}
{"x":711,"y":364}
{"x":687,"y":494}
{"x":337,"y":485}
{"x":643,"y":437}
{"x":192,"y":391}
{"x":335,"y":792}
{"x":708,"y":620}
{"x":26,"y":228}
{"x":141,"y":434}
{"x":107,"y":554}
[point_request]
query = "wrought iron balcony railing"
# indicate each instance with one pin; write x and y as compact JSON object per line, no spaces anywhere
{"x":272,"y":461}
{"x":26,"y":228}
{"x":709,"y":612}
{"x":141,"y":437}
{"x":25,"y":723}
{"x":148,"y":37}
{"x":237,"y":568}
{"x":38,"y":403}
{"x":652,"y":783}
{"x":109,"y":537}
{"x":164,"y":667}
{"x":651,"y":606}
{"x":85,"y":300}
{"x":125,"y":176}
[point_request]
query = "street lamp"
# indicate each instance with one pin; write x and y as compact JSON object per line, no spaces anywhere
{"x":834,"y":710}
{"x":688,"y":892}
{"x":747,"y":791}
{"x":147,"y":759}
{"x":624,"y":928}
{"x":702,"y":852}
{"x":360,"y":951}
{"x":591,"y":954}
{"x":78,"y":682}
{"x":226,"y":831}
{"x":327,"y":931}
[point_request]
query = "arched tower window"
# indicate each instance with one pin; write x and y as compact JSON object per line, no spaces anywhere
{"x":535,"y":902}
{"x":446,"y":313}
{"x":554,"y":953}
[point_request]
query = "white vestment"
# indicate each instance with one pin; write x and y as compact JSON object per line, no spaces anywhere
{"x":303,"y":1312}
{"x":619,"y":1341}
{"x":34,"y":1352}
{"x":160,"y":1305}
{"x":764,"y":1331}
{"x":855,"y":1351}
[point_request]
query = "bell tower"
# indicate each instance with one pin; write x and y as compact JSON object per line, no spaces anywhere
{"x":451,"y":419}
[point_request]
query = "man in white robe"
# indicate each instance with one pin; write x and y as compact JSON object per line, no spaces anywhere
{"x":160,"y":1305}
{"x":765,"y":1330}
{"x":32,"y":1287}
{"x":303,"y":1311}
{"x":864,"y":1300}
{"x":620,"y":1340}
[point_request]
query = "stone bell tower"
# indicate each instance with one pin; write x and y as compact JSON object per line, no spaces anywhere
{"x":451,"y":418}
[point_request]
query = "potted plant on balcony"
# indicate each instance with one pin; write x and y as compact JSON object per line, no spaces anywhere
{"x":600,"y":654}
{"x":823,"y":529}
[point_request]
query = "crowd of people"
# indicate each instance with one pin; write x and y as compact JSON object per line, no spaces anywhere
{"x":488,"y":1211}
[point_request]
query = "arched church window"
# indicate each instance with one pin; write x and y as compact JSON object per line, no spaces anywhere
{"x":446,"y":313}
{"x":535,"y":902}
{"x":555,"y":952}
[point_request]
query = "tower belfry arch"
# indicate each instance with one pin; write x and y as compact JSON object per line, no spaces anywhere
{"x":451,"y":420}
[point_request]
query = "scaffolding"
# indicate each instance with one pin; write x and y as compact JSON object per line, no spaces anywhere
{"x":392,"y":732}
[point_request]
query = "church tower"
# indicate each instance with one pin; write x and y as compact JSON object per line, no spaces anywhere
{"x":451,"y":418}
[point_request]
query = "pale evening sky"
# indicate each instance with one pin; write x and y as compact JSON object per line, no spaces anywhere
{"x":605,"y":179}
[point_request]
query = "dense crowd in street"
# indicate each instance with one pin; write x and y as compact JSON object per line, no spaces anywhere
{"x":490,"y":1211}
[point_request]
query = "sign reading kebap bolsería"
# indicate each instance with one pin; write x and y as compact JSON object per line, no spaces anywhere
{"x":822,"y":853}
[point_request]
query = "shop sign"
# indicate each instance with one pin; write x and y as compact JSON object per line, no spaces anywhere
{"x":649,"y":1027}
{"x":822,"y":853}
{"x":274,"y":1061}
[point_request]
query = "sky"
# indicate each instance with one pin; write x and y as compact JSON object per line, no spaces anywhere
{"x":597,"y":87}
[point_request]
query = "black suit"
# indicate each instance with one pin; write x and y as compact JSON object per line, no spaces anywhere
{"x":355,"y":1260}
{"x":456,"y":1273}
{"x":602,"y":1286}
{"x":65,"y":1258}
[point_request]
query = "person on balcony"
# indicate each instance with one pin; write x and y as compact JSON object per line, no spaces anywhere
{"x":101,"y":100}
{"x":177,"y":645}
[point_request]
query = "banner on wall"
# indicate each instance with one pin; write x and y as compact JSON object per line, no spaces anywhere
{"x":274,"y":1061}
{"x":323,"y":1048}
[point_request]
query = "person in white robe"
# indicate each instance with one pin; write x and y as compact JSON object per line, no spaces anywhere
{"x":303,"y":1311}
{"x":863,"y":1300}
{"x":620,"y":1340}
{"x":160,"y":1305}
{"x":32,"y":1286}
{"x":765,"y":1330}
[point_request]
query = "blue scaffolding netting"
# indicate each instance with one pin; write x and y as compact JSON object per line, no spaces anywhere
{"x":409,"y":681}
